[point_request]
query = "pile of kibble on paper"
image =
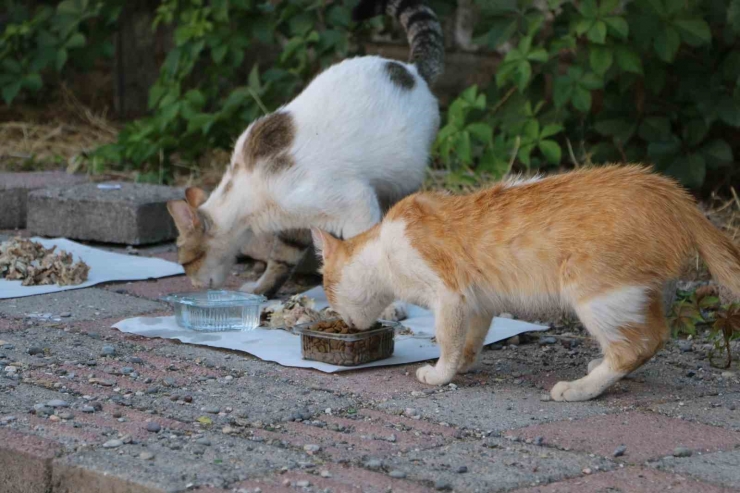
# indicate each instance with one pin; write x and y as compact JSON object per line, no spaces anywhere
{"x":28,"y":261}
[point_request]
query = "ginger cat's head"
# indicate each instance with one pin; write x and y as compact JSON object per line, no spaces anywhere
{"x":352,"y":283}
{"x":202,"y":253}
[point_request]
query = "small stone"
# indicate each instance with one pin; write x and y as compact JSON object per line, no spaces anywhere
{"x":545,"y":397}
{"x":539,"y":440}
{"x":113,"y":444}
{"x":397,"y":474}
{"x":169,"y":382}
{"x":211,"y":409}
{"x":146,"y":456}
{"x":410,"y":412}
{"x":203,"y":441}
{"x":513,"y":341}
{"x":65,"y":314}
{"x":544,"y":341}
{"x":311,"y":449}
{"x":619,"y":451}
{"x":102,"y":381}
{"x":442,"y":485}
{"x":127,"y":370}
{"x":57,"y":403}
{"x":303,"y":483}
{"x":7,"y":419}
{"x":34,"y":350}
{"x":728,"y":374}
{"x":188,"y":398}
{"x":587,"y":470}
{"x":690,"y":373}
{"x":66,"y":415}
{"x":108,"y":351}
{"x":10,"y":370}
{"x":373,"y":464}
{"x":54,"y":418}
{"x":286,"y":482}
{"x":682,"y":452}
{"x":685,"y":346}
{"x":461,"y":469}
{"x":228,"y":378}
{"x":153,"y":427}
{"x":88,"y":409}
{"x":325,"y":474}
{"x":228,"y":430}
{"x":135,"y":359}
{"x":152,"y":390}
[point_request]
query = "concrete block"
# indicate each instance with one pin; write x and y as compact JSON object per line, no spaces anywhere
{"x":132,"y":214}
{"x":14,"y":189}
{"x":25,"y":462}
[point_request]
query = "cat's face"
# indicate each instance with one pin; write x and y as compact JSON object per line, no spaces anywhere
{"x":204,"y":256}
{"x":350,"y":282}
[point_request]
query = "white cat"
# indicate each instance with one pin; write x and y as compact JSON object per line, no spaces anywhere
{"x":353,"y":143}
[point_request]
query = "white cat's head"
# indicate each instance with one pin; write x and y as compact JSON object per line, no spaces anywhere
{"x":352,"y":284}
{"x":206,"y":255}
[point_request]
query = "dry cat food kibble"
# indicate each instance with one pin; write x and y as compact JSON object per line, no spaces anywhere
{"x":24,"y":260}
{"x":332,"y":341}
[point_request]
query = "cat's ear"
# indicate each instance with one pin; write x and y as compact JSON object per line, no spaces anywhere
{"x":195,"y":197}
{"x":184,"y":216}
{"x":324,"y":243}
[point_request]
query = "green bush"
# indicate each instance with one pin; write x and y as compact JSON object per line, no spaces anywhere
{"x":651,"y":81}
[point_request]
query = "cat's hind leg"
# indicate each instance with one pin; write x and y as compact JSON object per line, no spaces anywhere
{"x":477,"y":331}
{"x":450,"y":327}
{"x":630,"y":326}
{"x":287,"y":252}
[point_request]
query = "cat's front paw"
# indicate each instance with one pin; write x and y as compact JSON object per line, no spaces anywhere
{"x":576,"y":391}
{"x":395,"y":312}
{"x":429,"y":375}
{"x":559,"y":391}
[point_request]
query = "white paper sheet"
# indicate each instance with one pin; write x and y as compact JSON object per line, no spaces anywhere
{"x":104,"y":267}
{"x":285,"y":348}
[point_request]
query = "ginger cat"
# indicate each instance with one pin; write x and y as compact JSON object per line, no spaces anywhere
{"x":602,"y":241}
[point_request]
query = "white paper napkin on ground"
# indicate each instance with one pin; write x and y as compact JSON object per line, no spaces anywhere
{"x":285,"y":348}
{"x":104,"y":267}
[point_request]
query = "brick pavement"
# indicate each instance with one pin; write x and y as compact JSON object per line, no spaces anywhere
{"x":224,"y":421}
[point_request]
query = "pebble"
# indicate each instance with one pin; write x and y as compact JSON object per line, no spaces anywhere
{"x":311,"y":449}
{"x":203,"y":441}
{"x":685,"y":346}
{"x":690,"y":373}
{"x":210,"y":409}
{"x":7,"y":419}
{"x":682,"y":452}
{"x":146,"y":456}
{"x":410,"y":412}
{"x":57,"y":403}
{"x":136,"y":360}
{"x":127,"y":370}
{"x":619,"y":452}
{"x":153,"y":427}
{"x":54,"y":418}
{"x":228,"y":378}
{"x":397,"y":474}
{"x":373,"y":464}
{"x":462,"y":469}
{"x":228,"y":430}
{"x":42,"y":410}
{"x":87,"y":409}
{"x":728,"y":374}
{"x":34,"y":350}
{"x":188,"y":398}
{"x":102,"y":381}
{"x":169,"y":382}
{"x":539,"y":440}
{"x":66,"y":415}
{"x":545,"y":397}
{"x":113,"y":444}
{"x":587,"y":470}
{"x":513,"y":341}
{"x":65,"y":315}
{"x":303,"y":483}
{"x":152,"y":390}
{"x":10,"y":370}
{"x":325,"y":474}
{"x":547,"y":340}
{"x":442,"y":485}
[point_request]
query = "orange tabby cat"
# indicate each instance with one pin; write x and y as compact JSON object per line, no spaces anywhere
{"x":602,"y":241}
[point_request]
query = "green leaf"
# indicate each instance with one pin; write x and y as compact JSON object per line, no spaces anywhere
{"x":254,"y":79}
{"x":219,"y":53}
{"x":33,"y":82}
{"x":601,"y":58}
{"x":522,"y":75}
{"x":492,"y":163}
{"x":61,"y":59}
{"x":562,"y":91}
{"x":695,"y":32}
{"x":608,"y":6}
{"x":199,"y":122}
{"x":583,"y":26}
{"x":618,"y":128}
{"x":597,"y":33}
{"x":733,"y":16}
{"x":591,"y":82}
{"x":729,"y":112}
{"x":617,"y":26}
{"x":694,"y":131}
{"x":538,"y":55}
{"x":666,"y":43}
{"x":524,"y":154}
{"x":717,"y":152}
{"x":77,"y":40}
{"x":550,"y":130}
{"x":628,"y":60}
{"x":463,"y":148}
{"x":551,"y":150}
{"x":668,"y":149}
{"x":582,"y":99}
{"x":195,"y":97}
{"x":674,"y":6}
{"x":588,"y":8}
{"x":655,"y":129}
{"x":689,"y":170}
{"x":10,"y":91}
{"x":481,"y":131}
{"x":531,"y":130}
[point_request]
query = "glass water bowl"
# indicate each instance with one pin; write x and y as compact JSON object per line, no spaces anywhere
{"x":216,"y":311}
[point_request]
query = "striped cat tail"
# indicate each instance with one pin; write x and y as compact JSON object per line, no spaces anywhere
{"x":423,"y":31}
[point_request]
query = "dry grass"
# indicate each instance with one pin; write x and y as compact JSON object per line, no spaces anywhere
{"x":53,"y":137}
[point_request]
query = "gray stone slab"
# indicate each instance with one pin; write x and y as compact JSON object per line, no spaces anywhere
{"x":135,"y":214}
{"x":79,"y":304}
{"x":719,"y":468}
{"x":14,"y":189}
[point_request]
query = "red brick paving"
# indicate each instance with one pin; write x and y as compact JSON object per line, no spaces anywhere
{"x":646,"y":436}
{"x":628,"y":480}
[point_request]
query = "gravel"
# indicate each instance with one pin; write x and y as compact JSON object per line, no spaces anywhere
{"x":461,"y":469}
{"x":108,"y":351}
{"x":34,"y":350}
{"x":619,"y":451}
{"x":311,"y":449}
{"x":373,"y":464}
{"x":57,"y":403}
{"x":442,"y":485}
{"x":397,"y":474}
{"x":153,"y":427}
{"x":113,"y":444}
{"x":682,"y":452}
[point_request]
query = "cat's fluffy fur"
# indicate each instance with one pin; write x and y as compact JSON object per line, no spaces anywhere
{"x":354,"y":142}
{"x":601,"y":241}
